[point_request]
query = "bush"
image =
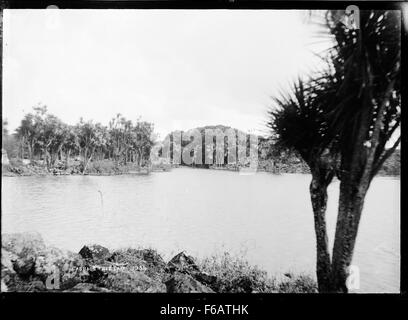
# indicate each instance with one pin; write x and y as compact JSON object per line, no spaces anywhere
{"x":234,"y":274}
{"x":298,"y":284}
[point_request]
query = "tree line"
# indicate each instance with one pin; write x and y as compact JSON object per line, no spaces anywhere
{"x":43,"y":136}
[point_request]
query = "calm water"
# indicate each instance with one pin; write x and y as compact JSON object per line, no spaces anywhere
{"x":266,"y":217}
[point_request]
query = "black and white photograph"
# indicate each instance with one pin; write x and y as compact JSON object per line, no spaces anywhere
{"x":201,"y":151}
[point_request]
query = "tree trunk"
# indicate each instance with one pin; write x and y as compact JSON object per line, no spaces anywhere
{"x":22,"y":149}
{"x":86,"y":163}
{"x":67,"y":155}
{"x":318,"y":194}
{"x":139,"y":158}
{"x":351,"y":204}
{"x":47,"y":159}
{"x":30,"y":152}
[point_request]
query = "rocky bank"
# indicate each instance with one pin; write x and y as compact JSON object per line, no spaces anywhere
{"x":27,"y":264}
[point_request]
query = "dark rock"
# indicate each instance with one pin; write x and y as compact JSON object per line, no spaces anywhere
{"x":205,"y":278}
{"x":186,"y":264}
{"x":242,"y":284}
{"x":184,"y":283}
{"x":152,"y":257}
{"x":8,"y":275}
{"x":129,"y":257}
{"x":28,"y":265}
{"x":132,"y":281}
{"x":25,"y":259}
{"x":115,"y":257}
{"x":148,"y":261}
{"x":138,"y":257}
{"x":182,"y":263}
{"x":69,"y":268}
{"x":95,"y":252}
{"x":74,"y":271}
{"x":96,"y":275}
{"x":48,"y":260}
{"x":24,"y":266}
{"x":86,"y":253}
{"x":20,"y":252}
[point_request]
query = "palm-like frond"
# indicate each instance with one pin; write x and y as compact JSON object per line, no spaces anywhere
{"x":297,"y":118}
{"x":366,"y":61}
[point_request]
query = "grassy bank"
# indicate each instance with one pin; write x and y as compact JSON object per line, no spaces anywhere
{"x":29,"y":265}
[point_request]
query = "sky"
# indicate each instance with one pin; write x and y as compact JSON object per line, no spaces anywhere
{"x":179,"y":69}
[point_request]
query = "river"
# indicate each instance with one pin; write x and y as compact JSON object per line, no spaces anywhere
{"x":266,"y":218}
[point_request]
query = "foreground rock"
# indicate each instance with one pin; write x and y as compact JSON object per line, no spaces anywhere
{"x":184,"y":283}
{"x":133,"y":281}
{"x":27,"y":264}
{"x":182,"y":263}
{"x":94,"y":253}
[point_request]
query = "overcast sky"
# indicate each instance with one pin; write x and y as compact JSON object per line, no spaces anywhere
{"x":177,"y":69}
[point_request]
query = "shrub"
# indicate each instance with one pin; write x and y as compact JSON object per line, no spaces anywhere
{"x":234,"y":274}
{"x":298,"y":284}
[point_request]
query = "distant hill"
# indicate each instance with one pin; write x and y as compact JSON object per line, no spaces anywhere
{"x":270,"y":158}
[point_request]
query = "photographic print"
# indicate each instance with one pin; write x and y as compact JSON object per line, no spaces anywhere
{"x":201,"y":151}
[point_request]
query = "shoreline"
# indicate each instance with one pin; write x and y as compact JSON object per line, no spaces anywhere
{"x":97,"y":168}
{"x":28,"y":264}
{"x":11,"y":171}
